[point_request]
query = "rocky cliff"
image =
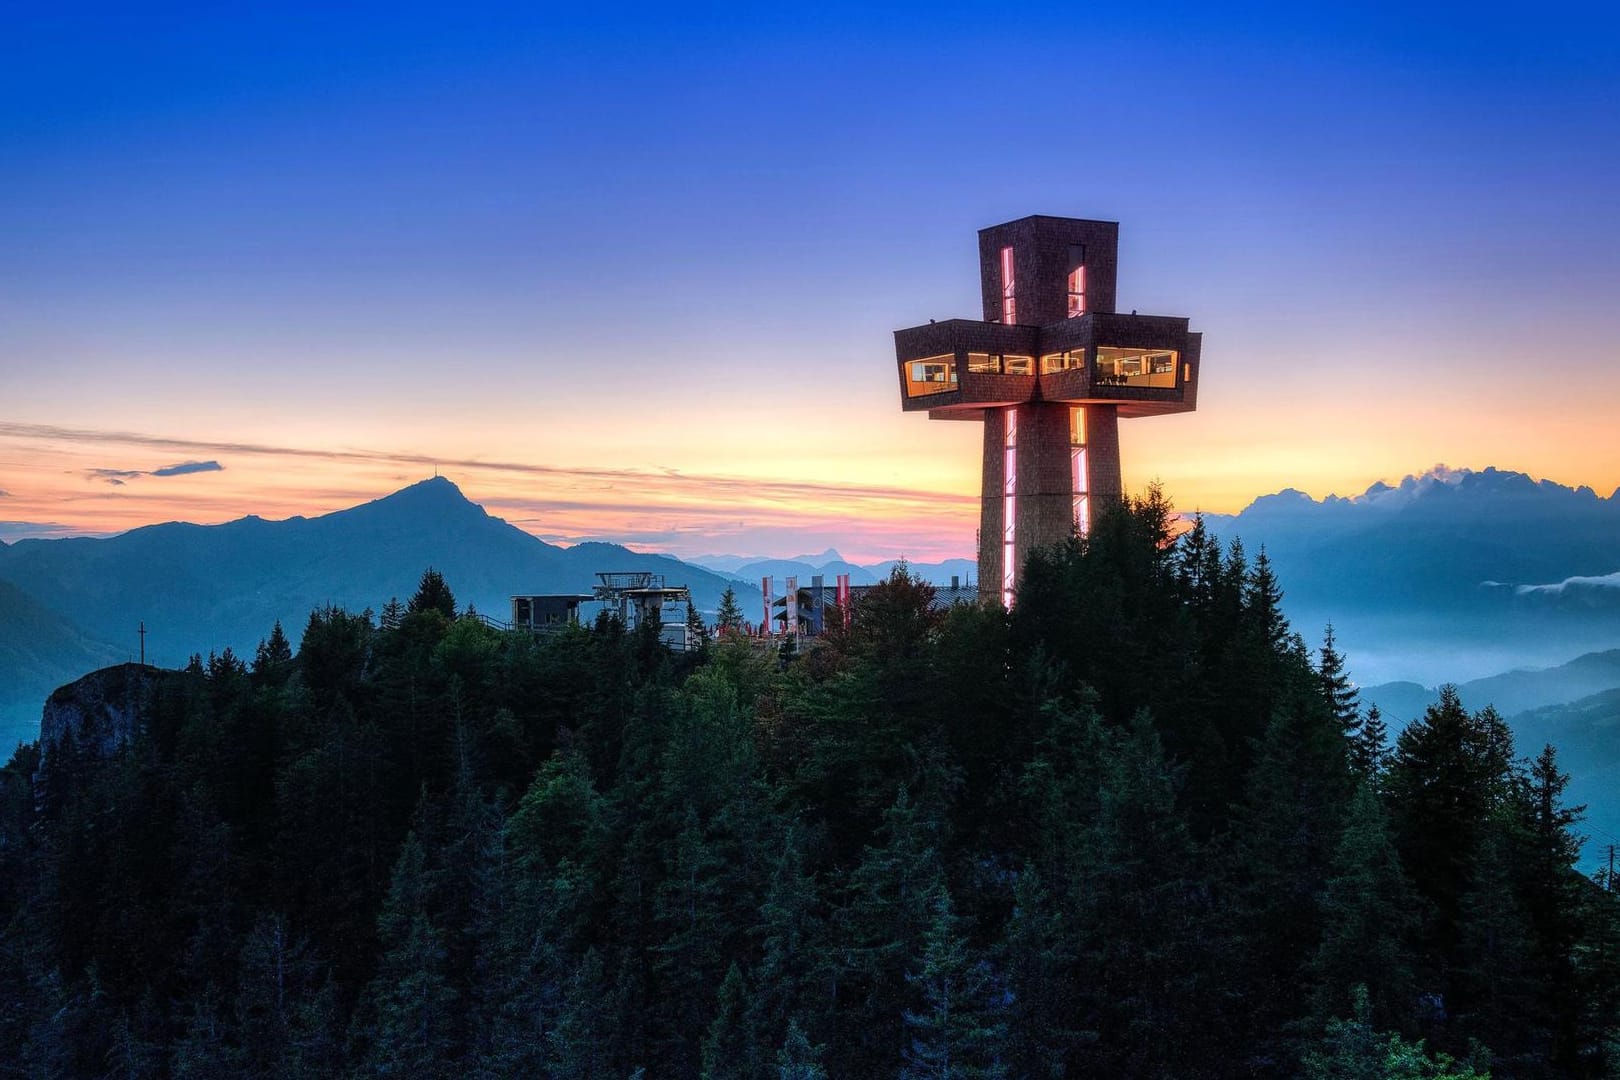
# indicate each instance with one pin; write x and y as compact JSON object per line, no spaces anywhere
{"x":102,"y":710}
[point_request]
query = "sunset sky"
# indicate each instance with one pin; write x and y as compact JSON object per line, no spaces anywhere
{"x":634,"y":275}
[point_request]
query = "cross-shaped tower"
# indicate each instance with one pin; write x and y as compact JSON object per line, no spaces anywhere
{"x":1050,"y":371}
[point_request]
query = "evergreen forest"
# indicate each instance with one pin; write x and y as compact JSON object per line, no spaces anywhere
{"x":1136,"y":827}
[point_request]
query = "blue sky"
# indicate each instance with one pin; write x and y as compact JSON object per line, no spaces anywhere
{"x":608,"y":238}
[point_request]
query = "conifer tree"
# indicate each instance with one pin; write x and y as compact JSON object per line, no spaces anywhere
{"x":1553,"y":892}
{"x":729,"y":617}
{"x":697,"y":634}
{"x":729,"y":1047}
{"x":1139,"y":955}
{"x":1038,"y":956}
{"x":393,"y":613}
{"x":408,"y":1028}
{"x":206,"y":1051}
{"x":958,"y":1029}
{"x":792,"y":943}
{"x":274,"y":654}
{"x":433,"y":594}
{"x":798,"y":1058}
{"x":1370,"y":916}
{"x":1369,"y":753}
{"x":883,"y":926}
{"x":1448,"y":776}
{"x":1341,"y":694}
{"x":578,"y":1044}
{"x":1494,"y":992}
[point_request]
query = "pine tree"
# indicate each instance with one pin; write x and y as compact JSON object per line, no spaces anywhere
{"x":792,"y":933}
{"x":1284,"y":834}
{"x":206,"y":1050}
{"x":882,"y":927}
{"x":578,"y":1045}
{"x":274,"y":655}
{"x":1449,"y":775}
{"x":697,"y":634}
{"x":410,"y":1028}
{"x":728,"y":1048}
{"x":432,"y":594}
{"x":730,"y":616}
{"x":1038,"y":955}
{"x":1369,"y":753}
{"x":959,"y":1030}
{"x":1370,"y":917}
{"x":1494,"y":988}
{"x":1552,"y":892}
{"x":1140,"y":955}
{"x":1341,"y":694}
{"x":1263,"y":600}
{"x":393,"y":613}
{"x":798,"y":1058}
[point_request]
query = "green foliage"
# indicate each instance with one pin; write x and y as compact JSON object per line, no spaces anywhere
{"x":1128,"y":829}
{"x":729,"y":617}
{"x":407,"y":1022}
{"x":957,"y":1029}
{"x":432,"y":594}
{"x":1352,"y":1049}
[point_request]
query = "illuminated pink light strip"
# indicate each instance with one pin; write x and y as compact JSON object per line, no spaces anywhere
{"x":1009,"y":508}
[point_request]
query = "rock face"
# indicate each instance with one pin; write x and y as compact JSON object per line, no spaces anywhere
{"x":103,"y":710}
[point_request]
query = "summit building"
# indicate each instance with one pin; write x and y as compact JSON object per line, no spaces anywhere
{"x":1050,"y":371}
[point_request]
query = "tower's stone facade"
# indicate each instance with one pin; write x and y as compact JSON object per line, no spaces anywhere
{"x":1050,"y":371}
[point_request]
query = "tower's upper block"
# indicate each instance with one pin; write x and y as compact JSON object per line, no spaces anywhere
{"x":1050,"y":332}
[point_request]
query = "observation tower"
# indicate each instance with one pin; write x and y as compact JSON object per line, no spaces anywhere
{"x":1050,"y":372}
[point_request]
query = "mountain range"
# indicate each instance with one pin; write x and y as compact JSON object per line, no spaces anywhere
{"x":829,"y":564}
{"x":1447,"y":576}
{"x":1511,"y":692}
{"x":70,"y":605}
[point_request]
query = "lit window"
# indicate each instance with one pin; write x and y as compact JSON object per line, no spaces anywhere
{"x":984,"y":363}
{"x":1077,"y":280}
{"x":930,"y":375}
{"x":1063,"y":361}
{"x":1018,"y":365}
{"x":1009,"y":305}
{"x":1079,"y":476}
{"x":1136,"y":367}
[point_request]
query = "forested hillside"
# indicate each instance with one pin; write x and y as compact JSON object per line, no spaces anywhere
{"x":1135,"y":828}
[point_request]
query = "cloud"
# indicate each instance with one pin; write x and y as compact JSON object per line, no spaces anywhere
{"x":186,"y":467}
{"x":4,"y":494}
{"x":116,"y":477}
{"x":647,"y":507}
{"x":703,"y":482}
{"x":1558,"y":588}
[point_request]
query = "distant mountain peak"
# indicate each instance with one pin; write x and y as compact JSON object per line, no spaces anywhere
{"x":829,"y":556}
{"x":436,"y":487}
{"x":433,"y":495}
{"x":1437,"y":482}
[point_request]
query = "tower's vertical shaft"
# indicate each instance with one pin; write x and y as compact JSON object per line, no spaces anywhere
{"x":1102,"y":455}
{"x":1045,"y":490}
{"x":992,"y":495}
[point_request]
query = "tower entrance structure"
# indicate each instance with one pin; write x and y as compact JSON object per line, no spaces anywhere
{"x":1050,"y":372}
